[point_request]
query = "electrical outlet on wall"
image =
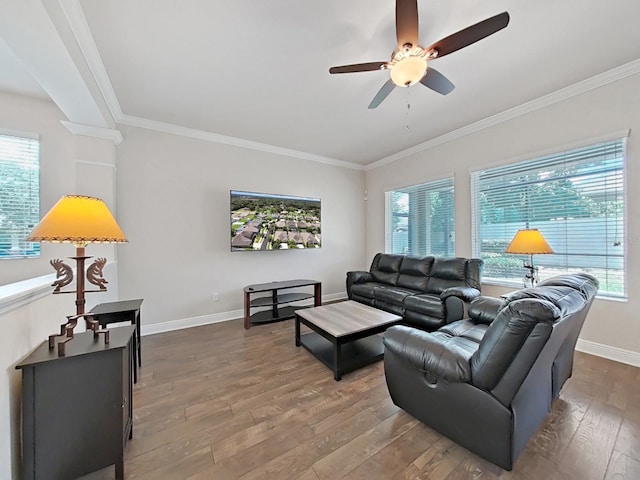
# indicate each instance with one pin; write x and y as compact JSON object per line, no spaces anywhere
{"x":216,"y":296}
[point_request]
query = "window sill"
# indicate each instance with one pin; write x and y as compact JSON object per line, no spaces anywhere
{"x":18,"y":294}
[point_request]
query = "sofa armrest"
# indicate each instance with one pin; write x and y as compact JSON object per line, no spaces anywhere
{"x":466,"y":294}
{"x":484,"y":309}
{"x":357,"y":277}
{"x":440,"y":356}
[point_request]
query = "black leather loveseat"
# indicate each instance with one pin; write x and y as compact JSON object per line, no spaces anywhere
{"x":488,"y":382}
{"x":427,"y":292}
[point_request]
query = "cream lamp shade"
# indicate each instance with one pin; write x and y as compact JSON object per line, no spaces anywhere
{"x":79,"y":220}
{"x":528,"y":241}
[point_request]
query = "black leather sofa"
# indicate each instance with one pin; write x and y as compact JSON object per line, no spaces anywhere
{"x":488,"y":382}
{"x":427,"y":292}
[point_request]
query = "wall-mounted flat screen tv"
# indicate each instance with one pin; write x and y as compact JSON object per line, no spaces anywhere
{"x":264,"y":221}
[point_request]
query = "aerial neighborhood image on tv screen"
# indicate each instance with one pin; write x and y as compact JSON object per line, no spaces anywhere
{"x":261,"y":221}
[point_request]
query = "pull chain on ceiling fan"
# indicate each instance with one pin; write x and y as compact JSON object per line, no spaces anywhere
{"x":409,"y":62}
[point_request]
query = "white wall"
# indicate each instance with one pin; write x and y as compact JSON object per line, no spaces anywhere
{"x":173,"y":195}
{"x":611,"y":108}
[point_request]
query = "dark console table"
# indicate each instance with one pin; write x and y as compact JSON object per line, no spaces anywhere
{"x":276,"y":312}
{"x":77,"y":412}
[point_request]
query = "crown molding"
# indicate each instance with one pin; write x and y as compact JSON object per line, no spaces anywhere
{"x":98,"y":132}
{"x":238,"y":142}
{"x":592,"y":83}
{"x":81,"y":31}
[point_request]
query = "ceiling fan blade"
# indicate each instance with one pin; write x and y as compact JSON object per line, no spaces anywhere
{"x":358,"y":67}
{"x":382,"y":94}
{"x":437,"y":82}
{"x":407,"y":22}
{"x":470,"y":34}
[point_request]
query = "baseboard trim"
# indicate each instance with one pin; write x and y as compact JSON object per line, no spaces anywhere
{"x":612,"y":353}
{"x":598,"y":349}
{"x":198,"y":321}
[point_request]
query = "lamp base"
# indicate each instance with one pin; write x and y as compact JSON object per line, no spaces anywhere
{"x":530,"y":277}
{"x":66,"y":332}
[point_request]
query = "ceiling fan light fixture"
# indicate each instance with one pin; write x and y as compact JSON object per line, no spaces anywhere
{"x":409,"y":71}
{"x":408,"y":65}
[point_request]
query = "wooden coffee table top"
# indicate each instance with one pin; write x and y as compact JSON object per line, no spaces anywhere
{"x":345,"y":318}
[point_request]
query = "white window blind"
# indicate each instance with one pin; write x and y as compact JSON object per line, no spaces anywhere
{"x":19,"y":195}
{"x":575,"y":198}
{"x":420,"y":220}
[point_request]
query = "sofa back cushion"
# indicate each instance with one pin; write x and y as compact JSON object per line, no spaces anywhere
{"x":446,"y":273}
{"x":512,"y":327}
{"x":414,"y":272}
{"x":582,"y":282}
{"x":426,"y":274}
{"x":385,"y":268}
{"x":567,"y":299}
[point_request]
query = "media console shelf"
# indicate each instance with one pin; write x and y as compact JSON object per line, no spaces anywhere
{"x":276,"y":299}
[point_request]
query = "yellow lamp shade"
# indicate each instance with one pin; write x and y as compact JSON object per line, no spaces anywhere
{"x":528,"y":241}
{"x":79,"y":220}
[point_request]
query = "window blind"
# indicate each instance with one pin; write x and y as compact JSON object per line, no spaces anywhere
{"x":420,"y":219}
{"x":575,"y":198}
{"x":19,"y":195}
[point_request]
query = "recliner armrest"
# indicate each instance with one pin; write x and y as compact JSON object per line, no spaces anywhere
{"x":359,"y":276}
{"x":484,"y":309}
{"x":465,"y":293}
{"x":438,"y":355}
{"x":355,"y":277}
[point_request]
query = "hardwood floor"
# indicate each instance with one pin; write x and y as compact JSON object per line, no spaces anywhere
{"x":220,"y":402}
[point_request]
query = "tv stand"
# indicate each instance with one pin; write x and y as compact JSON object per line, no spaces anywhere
{"x":277,"y":313}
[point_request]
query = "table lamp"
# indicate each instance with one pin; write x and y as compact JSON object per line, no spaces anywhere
{"x":529,"y":241}
{"x":79,"y":220}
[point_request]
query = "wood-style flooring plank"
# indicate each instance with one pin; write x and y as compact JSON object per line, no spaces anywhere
{"x":590,"y":449}
{"x":622,"y":467}
{"x":224,"y":403}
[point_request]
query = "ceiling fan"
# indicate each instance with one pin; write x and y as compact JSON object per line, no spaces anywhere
{"x":408,"y":64}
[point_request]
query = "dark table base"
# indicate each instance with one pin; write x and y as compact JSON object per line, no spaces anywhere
{"x":353,"y":355}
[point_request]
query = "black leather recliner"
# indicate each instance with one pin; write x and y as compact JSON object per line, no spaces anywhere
{"x":488,"y":382}
{"x":427,"y":292}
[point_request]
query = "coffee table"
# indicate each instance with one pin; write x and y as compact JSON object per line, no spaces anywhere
{"x":344,"y":335}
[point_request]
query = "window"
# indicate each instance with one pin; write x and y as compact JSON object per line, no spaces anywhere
{"x":576,"y":200}
{"x":19,"y":195}
{"x":420,"y":219}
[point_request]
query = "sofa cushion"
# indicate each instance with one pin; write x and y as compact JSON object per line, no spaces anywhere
{"x":392,"y":295}
{"x":449,"y":268}
{"x":446,"y":273}
{"x":507,"y":333}
{"x":385,"y":268}
{"x":466,"y":329}
{"x":414,"y":272}
{"x":425,"y":304}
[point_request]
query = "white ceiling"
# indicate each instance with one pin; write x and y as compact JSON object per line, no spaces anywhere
{"x":258,"y":70}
